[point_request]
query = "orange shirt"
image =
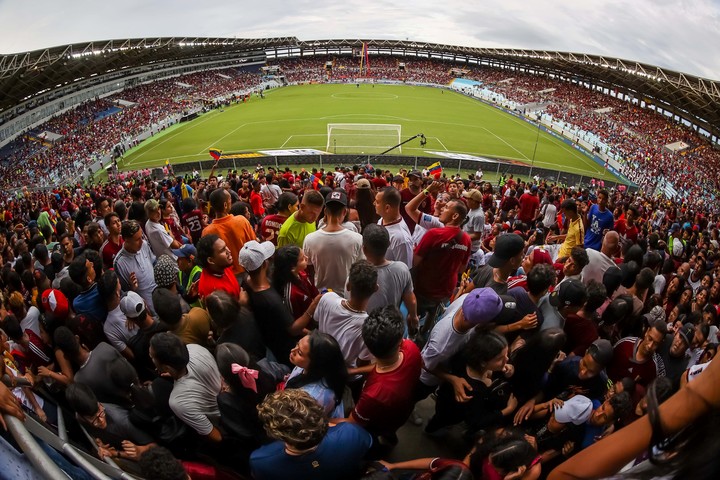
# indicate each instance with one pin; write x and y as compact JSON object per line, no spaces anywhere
{"x":235,"y":231}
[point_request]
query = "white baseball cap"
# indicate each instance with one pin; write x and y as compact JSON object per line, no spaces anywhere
{"x":253,"y":254}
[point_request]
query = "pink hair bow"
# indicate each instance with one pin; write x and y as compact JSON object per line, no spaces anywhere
{"x":247,"y":376}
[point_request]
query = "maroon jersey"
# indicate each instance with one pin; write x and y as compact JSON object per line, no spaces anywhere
{"x":193,"y":221}
{"x":270,"y":227}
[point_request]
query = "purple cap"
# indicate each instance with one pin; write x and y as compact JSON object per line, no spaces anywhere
{"x":481,"y":305}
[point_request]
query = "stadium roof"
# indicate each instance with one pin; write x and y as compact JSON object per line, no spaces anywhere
{"x":25,"y":75}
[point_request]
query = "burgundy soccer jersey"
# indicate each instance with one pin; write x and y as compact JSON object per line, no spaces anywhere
{"x":193,"y":220}
{"x":387,"y":400}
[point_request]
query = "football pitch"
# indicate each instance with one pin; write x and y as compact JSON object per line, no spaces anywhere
{"x":297,"y":117}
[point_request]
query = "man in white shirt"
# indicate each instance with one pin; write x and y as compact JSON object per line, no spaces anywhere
{"x":475,"y":226}
{"x":333,"y":249}
{"x":161,"y":242}
{"x":344,"y":318}
{"x":270,"y":192}
{"x":600,"y":261}
{"x":197,"y":382}
{"x":387,"y":205}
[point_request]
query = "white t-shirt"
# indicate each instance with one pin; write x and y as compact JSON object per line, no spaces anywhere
{"x":401,"y":242}
{"x":194,"y":396}
{"x":270,"y":193}
{"x":158,"y":238}
{"x":425,"y":222}
{"x":475,"y":224}
{"x":118,"y":329}
{"x":596,"y":268}
{"x":550,"y":212}
{"x":444,"y":342}
{"x":344,"y":325}
{"x":332,"y":254}
{"x":31,"y":321}
{"x":394,"y":281}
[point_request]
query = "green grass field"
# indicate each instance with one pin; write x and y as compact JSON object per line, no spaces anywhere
{"x":297,"y":117}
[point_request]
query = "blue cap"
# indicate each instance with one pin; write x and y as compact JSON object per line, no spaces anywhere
{"x":185,"y":251}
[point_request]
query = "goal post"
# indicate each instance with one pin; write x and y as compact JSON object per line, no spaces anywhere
{"x":368,"y":138}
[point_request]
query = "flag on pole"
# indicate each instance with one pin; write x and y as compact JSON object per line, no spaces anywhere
{"x":215,"y":154}
{"x":435,"y":169}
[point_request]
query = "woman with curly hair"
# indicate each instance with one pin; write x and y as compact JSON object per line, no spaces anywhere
{"x":306,"y":447}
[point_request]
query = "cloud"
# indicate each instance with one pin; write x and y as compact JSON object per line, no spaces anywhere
{"x":680,"y":35}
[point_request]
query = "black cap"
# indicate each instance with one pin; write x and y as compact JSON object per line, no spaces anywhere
{"x":601,"y":351}
{"x":336,"y":196}
{"x":414,"y":173}
{"x":687,"y":332}
{"x":507,"y":246}
{"x":509,"y":313}
{"x":570,"y":293}
{"x":398,"y":178}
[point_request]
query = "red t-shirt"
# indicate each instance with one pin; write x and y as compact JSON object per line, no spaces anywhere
{"x":257,"y":204}
{"x":387,"y":401}
{"x":631,"y":233}
{"x":581,"y":332}
{"x":528,"y":204}
{"x":302,"y":293}
{"x":624,"y":364}
{"x":425,"y":206}
{"x":210,"y":282}
{"x":108,"y":250}
{"x":270,"y":227}
{"x":444,"y":252}
{"x":193,"y":220}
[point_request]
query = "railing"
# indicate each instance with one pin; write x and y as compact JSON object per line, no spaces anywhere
{"x":25,"y":434}
{"x":33,"y":451}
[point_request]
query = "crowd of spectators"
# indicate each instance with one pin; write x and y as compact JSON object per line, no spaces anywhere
{"x":86,"y":135}
{"x":272,"y":323}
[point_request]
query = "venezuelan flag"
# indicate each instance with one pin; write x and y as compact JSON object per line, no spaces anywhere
{"x":317,"y":182}
{"x":215,"y":154}
{"x":435,"y":169}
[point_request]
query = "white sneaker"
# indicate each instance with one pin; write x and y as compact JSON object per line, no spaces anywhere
{"x":415,"y":418}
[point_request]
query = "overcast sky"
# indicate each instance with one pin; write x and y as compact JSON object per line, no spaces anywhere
{"x":678,"y":34}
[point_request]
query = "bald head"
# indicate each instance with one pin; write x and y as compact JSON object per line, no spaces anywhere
{"x":610,"y":243}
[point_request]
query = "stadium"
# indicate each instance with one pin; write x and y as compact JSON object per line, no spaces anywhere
{"x":608,"y":258}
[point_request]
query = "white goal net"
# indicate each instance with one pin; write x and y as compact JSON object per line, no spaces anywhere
{"x":368,"y":138}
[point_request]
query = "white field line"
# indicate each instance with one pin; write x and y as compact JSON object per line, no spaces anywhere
{"x":170,"y":136}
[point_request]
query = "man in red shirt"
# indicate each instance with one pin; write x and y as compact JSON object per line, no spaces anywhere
{"x":626,"y":227}
{"x":529,"y":206}
{"x":114,"y":241}
{"x":379,"y":181}
{"x":256,"y":201}
{"x":386,"y":401}
{"x":215,"y":258}
{"x":637,"y":358}
{"x":439,"y":258}
{"x":271,"y":224}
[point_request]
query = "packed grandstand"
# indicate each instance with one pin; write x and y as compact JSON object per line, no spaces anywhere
{"x":359,"y":322}
{"x":637,"y":137}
